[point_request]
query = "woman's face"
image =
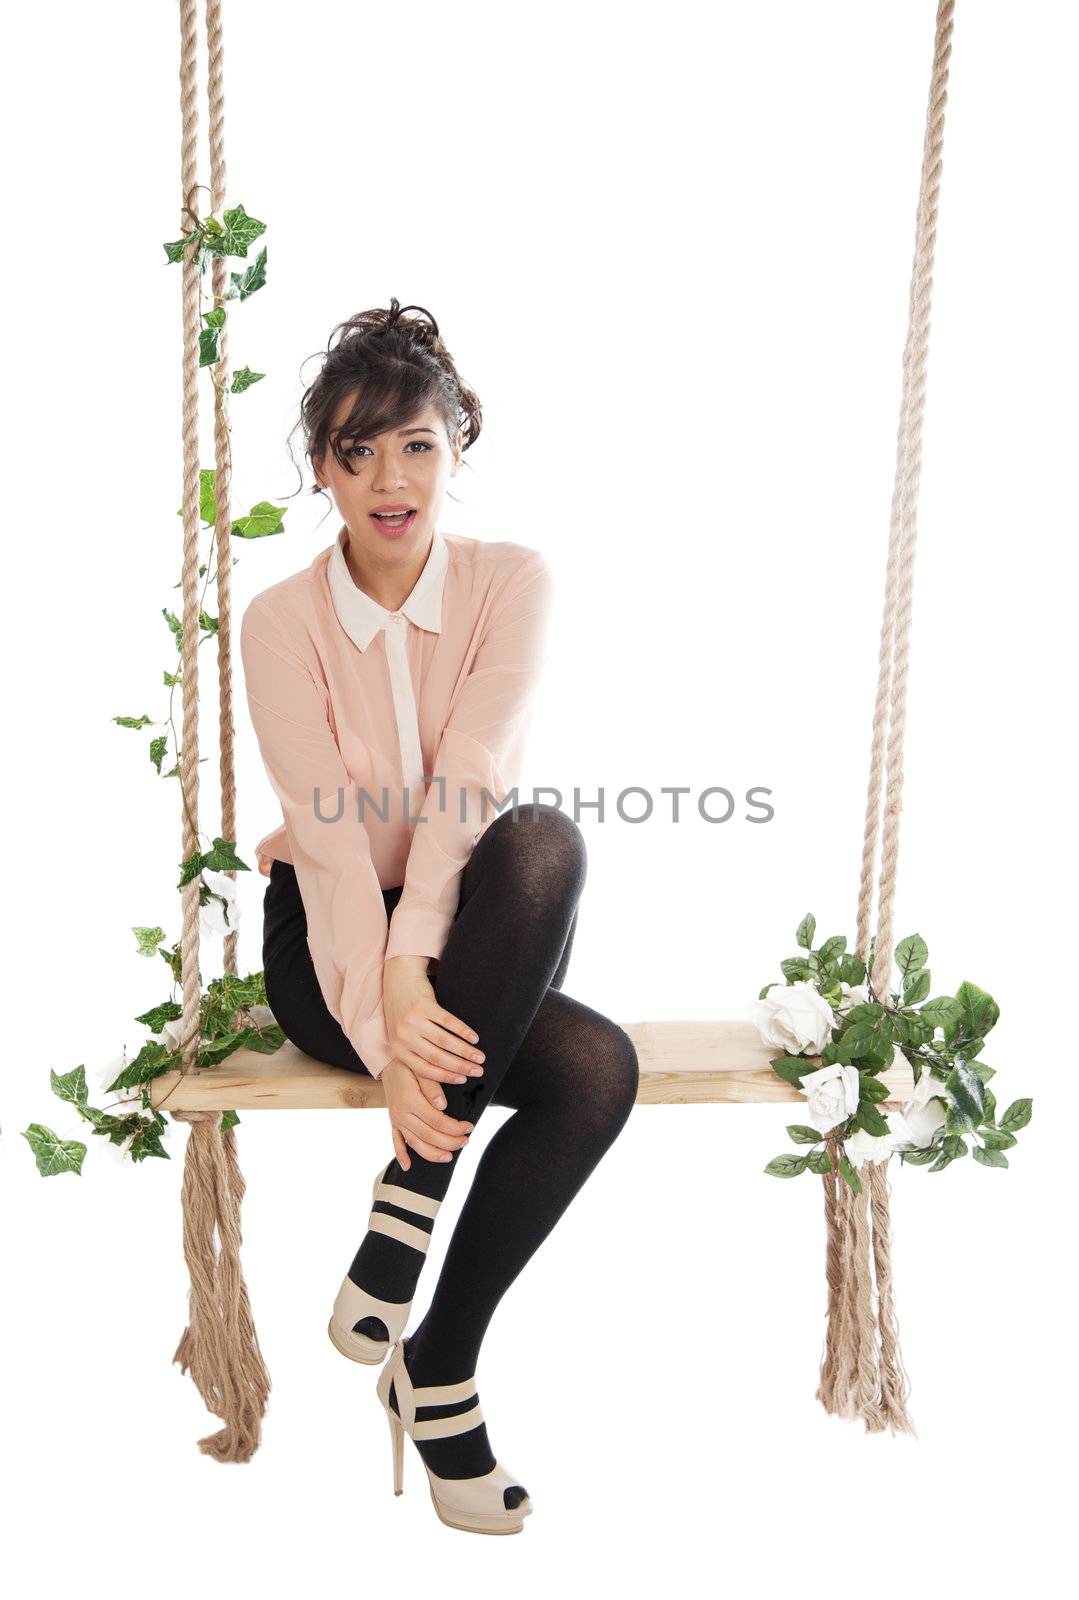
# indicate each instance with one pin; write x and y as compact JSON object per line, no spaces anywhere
{"x":408,"y":467}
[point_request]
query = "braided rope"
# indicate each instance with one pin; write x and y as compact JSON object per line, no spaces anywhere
{"x":858,"y":1376}
{"x":219,"y":1346}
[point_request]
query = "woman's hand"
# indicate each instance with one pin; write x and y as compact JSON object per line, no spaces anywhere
{"x":416,"y":1121}
{"x":426,"y":1037}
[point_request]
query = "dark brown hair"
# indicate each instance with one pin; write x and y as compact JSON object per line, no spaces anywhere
{"x":394,"y":367}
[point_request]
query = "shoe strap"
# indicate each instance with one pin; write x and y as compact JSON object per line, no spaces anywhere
{"x":432,"y":1394}
{"x":383,"y":1222}
{"x":422,"y":1205}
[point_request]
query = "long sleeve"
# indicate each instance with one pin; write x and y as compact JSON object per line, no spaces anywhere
{"x":481,"y":748}
{"x":346,"y":914}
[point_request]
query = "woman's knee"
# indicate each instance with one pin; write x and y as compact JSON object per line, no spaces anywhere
{"x":541,"y":845}
{"x":609,"y":1091}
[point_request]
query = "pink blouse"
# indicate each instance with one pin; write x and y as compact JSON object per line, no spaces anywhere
{"x":380,"y":733}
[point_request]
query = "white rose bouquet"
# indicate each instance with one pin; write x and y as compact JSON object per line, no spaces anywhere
{"x":826,"y":1010}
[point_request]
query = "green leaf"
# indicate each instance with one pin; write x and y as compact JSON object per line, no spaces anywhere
{"x":997,"y":1139}
{"x":208,"y":347}
{"x":148,"y":939}
{"x":215,"y":1051}
{"x":833,"y":948}
{"x":964,"y":1097}
{"x":786,"y":1165}
{"x":243,"y":378}
{"x":229,"y":1119}
{"x":152,"y":1060}
{"x":147,"y":1142}
{"x":223,"y":858}
{"x":176,"y":625}
{"x":208,"y":623}
{"x":872,"y":1089}
{"x":917,"y":989}
{"x":847,"y":1170}
{"x":803,"y":1135}
{"x":798,"y":969}
{"x":246,"y":283}
{"x":980,"y":1010}
{"x":51,"y":1153}
{"x":911,"y":955}
{"x":918,"y":1158}
{"x":71,"y":1087}
{"x":158,"y":747}
{"x":262,"y":519}
{"x":791,"y":1069}
{"x":871,"y":1119}
{"x":266,"y":1040}
{"x":240,"y":231}
{"x":990,"y":1157}
{"x":1017,"y":1116}
{"x":942,"y":1011}
{"x":132,"y":722}
{"x":818,"y":1161}
{"x":806,"y":929}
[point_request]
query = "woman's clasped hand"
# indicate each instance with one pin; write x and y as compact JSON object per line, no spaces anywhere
{"x":431,"y":1047}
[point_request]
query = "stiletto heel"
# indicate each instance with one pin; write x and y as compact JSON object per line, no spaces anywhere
{"x":353,"y":1304}
{"x":475,"y":1505}
{"x":397,"y":1434}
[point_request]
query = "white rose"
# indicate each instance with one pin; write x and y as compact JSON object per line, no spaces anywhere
{"x":853,"y":995}
{"x":794,"y":1018}
{"x":924,"y":1111}
{"x":212,"y":916}
{"x":862,"y":1146}
{"x":109,"y":1074}
{"x":831,"y":1095}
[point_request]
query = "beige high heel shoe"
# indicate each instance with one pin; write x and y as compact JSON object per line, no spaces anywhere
{"x":477,"y":1505}
{"x":353,"y":1303}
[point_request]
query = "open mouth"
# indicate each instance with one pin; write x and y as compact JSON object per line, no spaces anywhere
{"x":395,"y":523}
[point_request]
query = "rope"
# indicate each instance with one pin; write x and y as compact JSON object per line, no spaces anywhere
{"x":860,"y":1377}
{"x":219,"y":1346}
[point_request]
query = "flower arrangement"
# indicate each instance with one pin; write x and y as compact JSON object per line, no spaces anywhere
{"x":233,"y":1013}
{"x":826,"y":1009}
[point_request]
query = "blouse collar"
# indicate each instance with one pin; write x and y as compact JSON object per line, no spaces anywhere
{"x":361,"y":617}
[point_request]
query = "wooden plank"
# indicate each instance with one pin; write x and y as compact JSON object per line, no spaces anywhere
{"x":682,"y":1063}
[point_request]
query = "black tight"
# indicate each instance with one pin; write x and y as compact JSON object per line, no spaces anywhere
{"x":569,"y":1073}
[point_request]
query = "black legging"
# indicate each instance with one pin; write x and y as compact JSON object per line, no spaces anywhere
{"x":570,"y":1074}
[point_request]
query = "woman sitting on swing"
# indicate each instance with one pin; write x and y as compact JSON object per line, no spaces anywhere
{"x":421,"y":934}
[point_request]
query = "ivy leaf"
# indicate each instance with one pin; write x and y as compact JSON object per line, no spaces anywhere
{"x":51,"y":1153}
{"x":246,"y":283}
{"x":262,"y":519}
{"x":786,"y":1165}
{"x":207,"y":623}
{"x":158,"y":747}
{"x":152,"y":1060}
{"x":229,"y":1119}
{"x":147,"y":1142}
{"x":70,"y":1087}
{"x":156,"y":1018}
{"x":266,"y":1040}
{"x":148,"y":939}
{"x":223,"y":857}
{"x":132,"y":722}
{"x":243,"y":378}
{"x":806,"y":929}
{"x":176,"y":625}
{"x":240,"y":230}
{"x":208,"y":347}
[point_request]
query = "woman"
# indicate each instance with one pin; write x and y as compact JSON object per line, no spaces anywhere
{"x":415,"y":930}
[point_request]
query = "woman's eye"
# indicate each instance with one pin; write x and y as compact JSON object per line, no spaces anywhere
{"x":423,"y":444}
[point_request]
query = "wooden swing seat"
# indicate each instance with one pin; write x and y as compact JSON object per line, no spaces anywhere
{"x":682,"y":1063}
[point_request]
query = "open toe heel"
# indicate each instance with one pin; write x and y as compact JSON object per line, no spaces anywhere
{"x":353,"y":1304}
{"x":494,"y":1502}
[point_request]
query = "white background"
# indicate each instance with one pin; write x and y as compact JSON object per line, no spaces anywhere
{"x":670,"y":247}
